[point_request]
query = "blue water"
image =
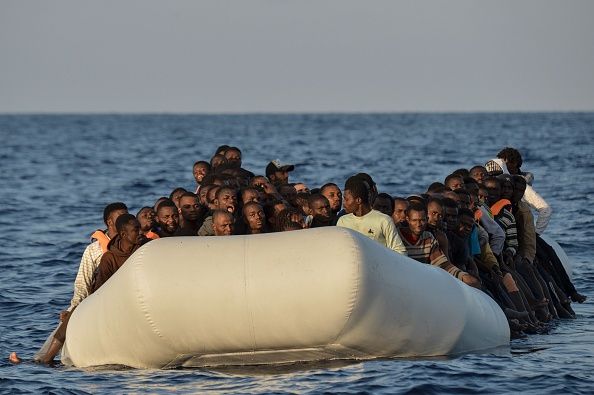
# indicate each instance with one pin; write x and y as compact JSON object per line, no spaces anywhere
{"x":58,"y":172}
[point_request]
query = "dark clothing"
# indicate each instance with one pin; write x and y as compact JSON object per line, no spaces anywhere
{"x":459,"y":251}
{"x":111,"y":261}
{"x":549,"y":260}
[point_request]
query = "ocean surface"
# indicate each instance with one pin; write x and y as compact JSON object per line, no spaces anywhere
{"x":58,"y":172}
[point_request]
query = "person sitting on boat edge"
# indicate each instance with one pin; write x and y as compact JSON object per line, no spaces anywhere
{"x":191,"y":215}
{"x":167,"y":219}
{"x":254,"y":218}
{"x":222,"y":223}
{"x":363,"y":219}
{"x":225,"y":198}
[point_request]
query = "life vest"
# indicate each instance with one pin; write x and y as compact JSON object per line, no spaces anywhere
{"x":497,"y":207}
{"x":478,"y":214}
{"x":102,"y":238}
{"x":152,"y":235}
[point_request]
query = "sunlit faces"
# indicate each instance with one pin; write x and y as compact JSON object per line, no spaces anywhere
{"x":417,"y":220}
{"x":222,"y":223}
{"x":226,"y":199}
{"x":199,"y":171}
{"x":146,"y":218}
{"x":399,"y":213}
{"x":454,"y":183}
{"x":334,"y":196}
{"x":131,"y":232}
{"x":435,"y":214}
{"x":254,"y":217}
{"x":320,"y":207}
{"x":189,"y":207}
{"x":168,"y":218}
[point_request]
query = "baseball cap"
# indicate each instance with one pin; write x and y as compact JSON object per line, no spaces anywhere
{"x":277,"y":165}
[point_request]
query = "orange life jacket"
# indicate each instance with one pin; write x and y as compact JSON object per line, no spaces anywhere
{"x":102,"y":238}
{"x":497,"y":207}
{"x":151,"y":235}
{"x":478,"y":214}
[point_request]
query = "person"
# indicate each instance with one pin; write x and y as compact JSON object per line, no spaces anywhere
{"x":191,"y":215}
{"x":384,"y":204}
{"x":478,"y":173}
{"x":423,"y":247}
{"x":435,"y":224}
{"x":176,"y":194}
{"x":167,"y":219}
{"x":453,"y":182}
{"x":127,"y":240}
{"x":399,"y":213}
{"x":146,"y":218}
{"x":301,"y":188}
{"x":332,"y":192}
{"x":222,"y":222}
{"x":362,"y":218}
{"x":225,"y":199}
{"x":216,"y":161}
{"x":199,"y":170}
{"x":254,"y":218}
{"x":233,"y":156}
{"x":321,"y":212}
{"x":250,"y":194}
{"x":288,"y":193}
{"x":278,"y":172}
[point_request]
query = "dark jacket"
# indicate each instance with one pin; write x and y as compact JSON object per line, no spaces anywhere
{"x":110,"y":262}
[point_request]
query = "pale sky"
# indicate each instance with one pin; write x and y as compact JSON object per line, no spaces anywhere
{"x":296,"y":56}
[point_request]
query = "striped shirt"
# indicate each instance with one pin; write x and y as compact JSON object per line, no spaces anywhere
{"x":507,"y":221}
{"x":84,"y":278}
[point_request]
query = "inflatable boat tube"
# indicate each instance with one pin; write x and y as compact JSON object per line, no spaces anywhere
{"x":560,"y":254}
{"x":308,"y":295}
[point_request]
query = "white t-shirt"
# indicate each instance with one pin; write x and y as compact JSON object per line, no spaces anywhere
{"x":376,"y":226}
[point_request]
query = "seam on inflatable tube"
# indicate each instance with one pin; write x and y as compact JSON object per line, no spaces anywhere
{"x":355,"y":250}
{"x":141,"y":301}
{"x":246,"y":293}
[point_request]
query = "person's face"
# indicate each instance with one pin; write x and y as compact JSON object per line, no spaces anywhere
{"x":417,"y":220}
{"x":254,"y":216}
{"x":175,"y":197}
{"x":349,"y":202}
{"x":203,"y":193}
{"x":210,"y":198}
{"x":189,"y":208}
{"x":399,"y":214}
{"x":223,"y":225}
{"x":301,"y":188}
{"x":465,"y":224}
{"x":251,"y":196}
{"x":451,"y":217}
{"x":483,"y":196}
{"x":217,"y":161}
{"x":233,"y":157}
{"x":131,"y":233}
{"x":455,"y":183}
{"x":478,"y":175}
{"x":334,"y":196}
{"x":168,"y":219}
{"x":146,"y":218}
{"x":507,"y":190}
{"x":435,"y":214}
{"x":199,"y":172}
{"x":494,"y":192}
{"x":512,"y":167}
{"x":226,"y":200}
{"x":111,"y":220}
{"x":383,"y":205}
{"x":320,"y":208}
{"x":280,"y":177}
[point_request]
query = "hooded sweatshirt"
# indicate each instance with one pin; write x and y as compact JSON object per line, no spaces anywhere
{"x":111,"y":261}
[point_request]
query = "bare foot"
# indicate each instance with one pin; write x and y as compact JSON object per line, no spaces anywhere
{"x":14,"y":358}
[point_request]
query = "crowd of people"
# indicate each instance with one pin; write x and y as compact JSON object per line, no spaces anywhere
{"x":477,"y":225}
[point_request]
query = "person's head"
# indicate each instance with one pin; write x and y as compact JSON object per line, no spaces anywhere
{"x":450,"y":213}
{"x":463,"y":198}
{"x":189,"y":206}
{"x":512,"y":159}
{"x":128,"y":229}
{"x":384,"y":204}
{"x":435,"y":212}
{"x":217,"y":160}
{"x":465,"y":222}
{"x":222,"y":222}
{"x":416,"y":217}
{"x":167,"y":217}
{"x":461,"y":172}
{"x":319,"y":206}
{"x":233,"y":156}
{"x":250,"y":194}
{"x":176,"y":194}
{"x":158,"y":201}
{"x":519,"y":188}
{"x":436,"y":188}
{"x":332,"y":192}
{"x":507,"y":186}
{"x":478,"y":173}
{"x":211,"y":197}
{"x":254,"y":217}
{"x":146,"y":218}
{"x":202,"y":193}
{"x":493,"y":187}
{"x":199,"y":170}
{"x":371,"y":186}
{"x":301,"y":188}
{"x":399,"y":213}
{"x":356,"y":194}
{"x":453,"y":182}
{"x":271,"y":210}
{"x":226,"y":199}
{"x":221,"y":149}
{"x":483,"y":195}
{"x":288,"y":215}
{"x":111,"y":212}
{"x":288,"y":193}
{"x":278,"y":173}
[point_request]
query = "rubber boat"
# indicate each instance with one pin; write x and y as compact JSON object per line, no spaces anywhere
{"x":309,"y":295}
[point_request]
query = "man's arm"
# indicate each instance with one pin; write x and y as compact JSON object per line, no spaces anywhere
{"x":393,"y":240}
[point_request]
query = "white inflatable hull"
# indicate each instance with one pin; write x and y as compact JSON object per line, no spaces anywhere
{"x":316,"y":294}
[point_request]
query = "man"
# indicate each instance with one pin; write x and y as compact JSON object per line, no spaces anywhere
{"x":222,"y":223}
{"x":423,"y":247}
{"x":225,"y":199}
{"x":399,"y":213}
{"x":146,"y":219}
{"x":321,"y":212}
{"x":301,"y":188}
{"x":167,"y":219}
{"x":278,"y":173}
{"x":199,"y":170}
{"x":176,"y":194}
{"x":332,"y":192}
{"x":250,"y":194}
{"x":233,"y":156}
{"x":363,"y":219}
{"x":384,"y":204}
{"x":453,"y":182}
{"x":478,"y":173}
{"x":435,"y":224}
{"x":128,"y":239}
{"x":254,"y":218}
{"x":191,"y":215}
